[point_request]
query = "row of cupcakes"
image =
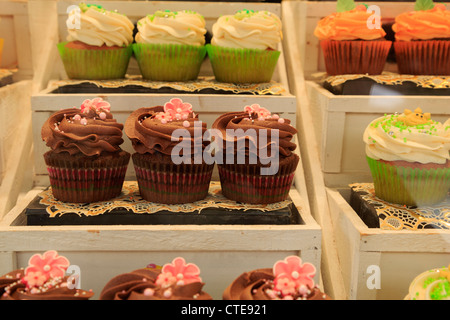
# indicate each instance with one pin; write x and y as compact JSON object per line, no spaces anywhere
{"x":174,"y":157}
{"x":170,"y":45}
{"x":353,"y":44}
{"x":45,"y":278}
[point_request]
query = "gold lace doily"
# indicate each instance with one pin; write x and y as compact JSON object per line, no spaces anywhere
{"x":5,"y":73}
{"x":132,"y":201}
{"x":397,"y":217}
{"x":202,"y":83}
{"x":389,"y":78}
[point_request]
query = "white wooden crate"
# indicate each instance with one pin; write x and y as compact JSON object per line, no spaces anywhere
{"x":222,"y":252}
{"x":333,"y":155}
{"x":399,"y":255}
{"x":14,"y":29}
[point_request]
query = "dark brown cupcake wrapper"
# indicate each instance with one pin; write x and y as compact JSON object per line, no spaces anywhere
{"x":170,"y":183}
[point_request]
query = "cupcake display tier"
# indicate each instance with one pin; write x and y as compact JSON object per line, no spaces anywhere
{"x":378,"y":258}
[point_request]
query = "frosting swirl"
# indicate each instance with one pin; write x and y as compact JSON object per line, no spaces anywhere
{"x":391,"y":138}
{"x":168,"y":27}
{"x":348,"y":25}
{"x":140,"y":285}
{"x":89,"y":131}
{"x":248,"y":29}
{"x":423,"y":24}
{"x":254,"y":120}
{"x":259,"y":285}
{"x":98,"y":27}
{"x":432,"y":284}
{"x":153,"y":130}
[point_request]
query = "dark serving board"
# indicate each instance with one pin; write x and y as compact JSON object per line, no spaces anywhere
{"x":36,"y":215}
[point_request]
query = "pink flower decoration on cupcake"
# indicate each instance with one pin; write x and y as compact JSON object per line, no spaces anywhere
{"x":262,"y":113}
{"x":179,"y":273}
{"x":293,"y":276}
{"x":98,"y":104}
{"x":178,"y":109}
{"x":43,"y":267}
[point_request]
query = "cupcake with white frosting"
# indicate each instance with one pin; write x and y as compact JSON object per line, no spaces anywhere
{"x":408,"y":155}
{"x":244,"y":46}
{"x":170,"y":45}
{"x":98,"y":44}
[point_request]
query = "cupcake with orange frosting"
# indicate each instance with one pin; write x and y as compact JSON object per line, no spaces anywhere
{"x":350,"y":44}
{"x":422,"y":45}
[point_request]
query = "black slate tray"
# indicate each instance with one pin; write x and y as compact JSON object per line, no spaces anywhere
{"x":36,"y":215}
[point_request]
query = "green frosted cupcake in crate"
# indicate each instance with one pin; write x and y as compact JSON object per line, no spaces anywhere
{"x":98,"y":45}
{"x":408,"y":155}
{"x":244,"y":46}
{"x":170,"y":45}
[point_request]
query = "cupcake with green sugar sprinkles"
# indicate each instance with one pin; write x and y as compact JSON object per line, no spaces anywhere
{"x":433,"y":284}
{"x":408,"y":156}
{"x":98,"y":45}
{"x":244,"y":46}
{"x":170,"y":45}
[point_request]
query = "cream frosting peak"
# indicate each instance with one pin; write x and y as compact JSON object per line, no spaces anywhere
{"x":248,"y":29}
{"x":389,"y":138}
{"x":168,"y":27}
{"x":98,"y":27}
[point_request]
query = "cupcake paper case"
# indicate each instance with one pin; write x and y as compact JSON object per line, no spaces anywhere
{"x":98,"y":45}
{"x":408,"y":155}
{"x":169,"y":146}
{"x":243,"y":48}
{"x":43,"y":279}
{"x":170,"y":45}
{"x":255,"y":157}
{"x":289,"y":279}
{"x":174,"y":281}
{"x":422,"y":45}
{"x":85,"y":163}
{"x":349,"y":46}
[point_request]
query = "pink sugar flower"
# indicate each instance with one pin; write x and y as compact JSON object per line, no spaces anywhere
{"x":256,"y":108}
{"x":178,"y":109}
{"x":178,"y":272}
{"x":293,"y":269}
{"x":98,"y":104}
{"x":35,"y":279}
{"x":164,"y":117}
{"x":285,"y":285}
{"x":50,"y":265}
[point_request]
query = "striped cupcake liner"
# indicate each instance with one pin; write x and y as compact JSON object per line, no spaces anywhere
{"x":95,"y":64}
{"x":355,"y":57}
{"x":86,"y":185}
{"x":409,"y":186}
{"x":423,"y":57}
{"x":169,"y":183}
{"x":169,"y":62}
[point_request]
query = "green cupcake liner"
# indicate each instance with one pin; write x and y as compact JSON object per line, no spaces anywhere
{"x":236,"y":65}
{"x":169,"y":62}
{"x":95,"y":64}
{"x":409,"y":186}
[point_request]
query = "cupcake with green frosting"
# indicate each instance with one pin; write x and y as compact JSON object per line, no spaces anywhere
{"x":170,"y":45}
{"x":98,"y":44}
{"x":244,"y":46}
{"x":408,"y":155}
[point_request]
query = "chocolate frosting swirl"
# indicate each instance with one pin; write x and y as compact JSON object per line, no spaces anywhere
{"x":150,"y":135}
{"x":133,"y":285}
{"x":242,"y":120}
{"x":58,"y":290}
{"x":63,"y":132}
{"x":257,"y":285}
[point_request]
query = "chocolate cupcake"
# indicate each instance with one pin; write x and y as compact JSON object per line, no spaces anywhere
{"x":169,"y":146}
{"x":174,"y":281}
{"x":86,"y":163}
{"x":289,"y":279}
{"x":43,"y":279}
{"x":255,"y":157}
